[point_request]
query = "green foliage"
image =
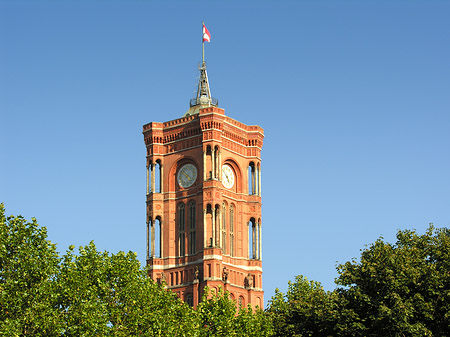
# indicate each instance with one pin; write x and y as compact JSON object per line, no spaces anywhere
{"x":306,"y":310}
{"x":253,"y":323}
{"x":400,"y":289}
{"x":94,"y":293}
{"x":219,"y":316}
{"x":28,"y":265}
{"x":104,"y":294}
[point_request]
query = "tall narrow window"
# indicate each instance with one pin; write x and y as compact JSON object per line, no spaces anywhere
{"x":251,"y":179}
{"x":224,"y":228}
{"x":258,"y":179}
{"x":156,"y":238}
{"x":181,"y":229}
{"x":232,"y":230}
{"x":157,"y":180}
{"x":252,"y":238}
{"x":208,"y":163}
{"x":192,"y":228}
{"x":189,"y":300}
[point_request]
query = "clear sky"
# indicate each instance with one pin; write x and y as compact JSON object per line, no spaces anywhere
{"x":354,"y":98}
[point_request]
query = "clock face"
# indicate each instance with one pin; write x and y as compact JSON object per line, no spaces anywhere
{"x":227,"y":176}
{"x":187,"y":175}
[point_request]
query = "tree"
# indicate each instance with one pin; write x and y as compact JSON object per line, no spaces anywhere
{"x":89,"y":294}
{"x":28,"y":265}
{"x":95,"y":293}
{"x":110,"y":295}
{"x":218,"y":315}
{"x":401,"y":289}
{"x":307,"y":310}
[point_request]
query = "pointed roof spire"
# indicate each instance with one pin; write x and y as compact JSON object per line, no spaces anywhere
{"x":203,"y":97}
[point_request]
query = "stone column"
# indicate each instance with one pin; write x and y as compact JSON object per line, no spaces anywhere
{"x":161,"y":177}
{"x":148,"y":240}
{"x":213,"y":163}
{"x":148,"y":181}
{"x":254,"y":240}
{"x":259,"y":181}
{"x":204,"y":165}
{"x":256,"y":180}
{"x":153,"y":224}
{"x":205,"y":234}
{"x":161,"y":239}
{"x":153,"y":177}
{"x":195,"y":293}
{"x":220,"y":228}
{"x":248,"y":239}
{"x":219,"y":165}
{"x":213,"y":226}
{"x":260,"y":241}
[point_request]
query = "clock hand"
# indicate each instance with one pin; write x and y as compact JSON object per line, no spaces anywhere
{"x":186,"y":176}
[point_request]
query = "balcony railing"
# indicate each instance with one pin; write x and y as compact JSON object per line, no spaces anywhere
{"x":198,"y":101}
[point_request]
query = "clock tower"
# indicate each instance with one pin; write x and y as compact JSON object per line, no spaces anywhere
{"x":204,"y":202}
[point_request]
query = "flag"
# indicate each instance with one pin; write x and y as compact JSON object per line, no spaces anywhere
{"x":206,"y":34}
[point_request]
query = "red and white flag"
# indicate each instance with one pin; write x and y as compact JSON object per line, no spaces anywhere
{"x":206,"y":34}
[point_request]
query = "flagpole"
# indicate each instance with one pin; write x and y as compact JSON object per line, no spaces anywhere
{"x":203,"y":45}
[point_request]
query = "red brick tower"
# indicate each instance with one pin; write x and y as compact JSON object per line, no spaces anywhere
{"x":204,"y":202}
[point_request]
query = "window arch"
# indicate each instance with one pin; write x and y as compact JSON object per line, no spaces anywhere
{"x":182,"y":229}
{"x":154,"y":245}
{"x":231,"y":230}
{"x":224,"y":228}
{"x":158,"y":177}
{"x":154,"y":177}
{"x":241,"y":302}
{"x":211,"y":162}
{"x":252,"y":239}
{"x":189,"y":299}
{"x":208,"y":221}
{"x":251,"y":178}
{"x":192,"y":215}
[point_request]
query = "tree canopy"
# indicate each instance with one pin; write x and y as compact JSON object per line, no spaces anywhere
{"x":95,"y":293}
{"x":400,"y":289}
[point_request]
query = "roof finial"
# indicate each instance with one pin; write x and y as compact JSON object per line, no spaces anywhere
{"x":203,"y":97}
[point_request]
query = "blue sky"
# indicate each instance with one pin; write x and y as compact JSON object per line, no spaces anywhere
{"x":353,"y":97}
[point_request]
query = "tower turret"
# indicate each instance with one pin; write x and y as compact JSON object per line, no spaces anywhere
{"x":203,"y":99}
{"x":204,"y":202}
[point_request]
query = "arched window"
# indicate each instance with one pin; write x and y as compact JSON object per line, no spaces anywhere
{"x":208,"y":227}
{"x":158,"y":176}
{"x":216,"y":163}
{"x":181,"y":229}
{"x":192,"y":228}
{"x":241,"y":302}
{"x":251,"y":178}
{"x":154,"y":181}
{"x":189,"y":299}
{"x":208,"y":163}
{"x":154,"y":238}
{"x":158,"y":252}
{"x":224,"y":228}
{"x":232,"y":230}
{"x":252,"y":238}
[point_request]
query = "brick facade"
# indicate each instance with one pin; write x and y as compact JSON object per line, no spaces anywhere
{"x":207,"y":233}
